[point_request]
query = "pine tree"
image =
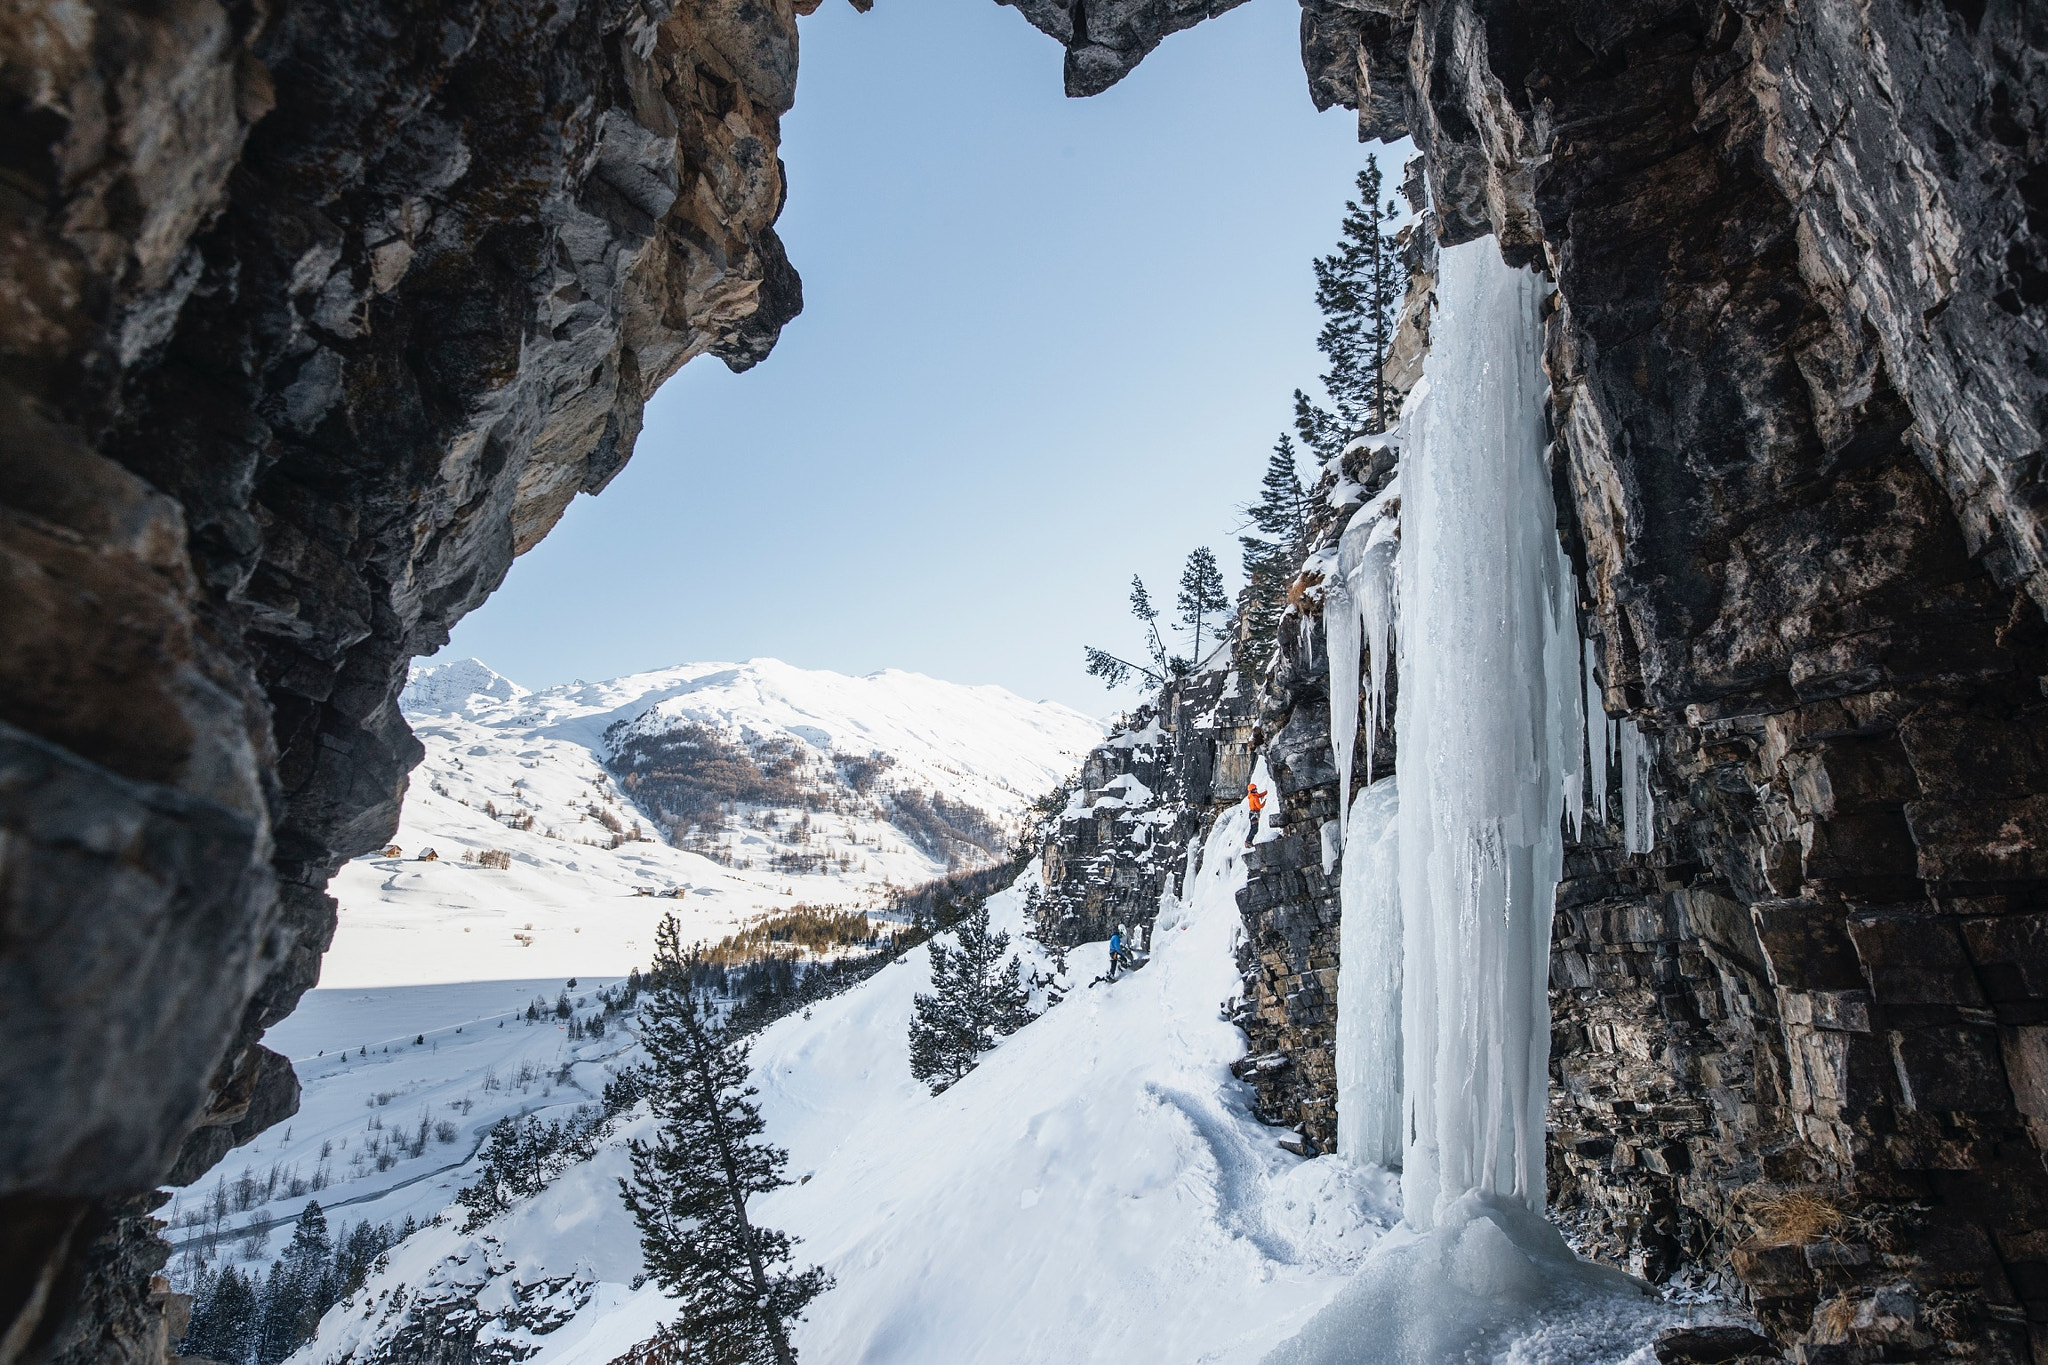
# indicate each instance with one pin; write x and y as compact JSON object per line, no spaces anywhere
{"x":1281,"y":513}
{"x":1113,"y":670}
{"x":1201,"y":592}
{"x":298,"y":1291}
{"x":1281,"y":517}
{"x":1142,"y":608}
{"x":277,"y":1317}
{"x":1321,"y":433}
{"x":1386,"y":284}
{"x":1267,"y":571}
{"x":1357,"y":291}
{"x":355,"y":1255}
{"x":223,"y":1318}
{"x":690,"y":1187}
{"x":977,"y":998}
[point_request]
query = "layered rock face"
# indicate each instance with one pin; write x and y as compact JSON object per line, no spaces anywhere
{"x":1797,"y":384}
{"x":312,"y":317}
{"x":1140,"y":801}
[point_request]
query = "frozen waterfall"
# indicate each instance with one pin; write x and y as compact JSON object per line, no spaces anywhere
{"x":1457,"y":874}
{"x":1369,"y":982}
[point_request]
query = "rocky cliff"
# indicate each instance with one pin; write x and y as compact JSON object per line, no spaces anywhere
{"x":312,"y":317}
{"x":1797,"y":386}
{"x":1141,"y":800}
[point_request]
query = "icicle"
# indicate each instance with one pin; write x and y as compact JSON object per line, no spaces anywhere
{"x":1369,"y":984}
{"x":1638,"y":829}
{"x":1489,"y":700}
{"x":1597,"y":729}
{"x":1340,"y":633}
{"x":1566,"y":709}
{"x":1358,"y":607}
{"x":1371,"y":566}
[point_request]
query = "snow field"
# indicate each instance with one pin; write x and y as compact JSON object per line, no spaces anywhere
{"x":1095,"y":1191}
{"x":367,"y":1086}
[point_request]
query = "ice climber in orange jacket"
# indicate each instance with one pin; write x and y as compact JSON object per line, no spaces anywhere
{"x":1256,"y":799}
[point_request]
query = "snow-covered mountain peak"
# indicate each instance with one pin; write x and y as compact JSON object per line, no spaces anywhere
{"x":461,"y":687}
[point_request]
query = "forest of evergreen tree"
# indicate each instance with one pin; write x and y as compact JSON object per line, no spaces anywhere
{"x":254,"y":1318}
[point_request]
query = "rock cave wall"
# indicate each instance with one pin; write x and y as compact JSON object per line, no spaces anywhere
{"x":1798,"y":385}
{"x":312,"y":317}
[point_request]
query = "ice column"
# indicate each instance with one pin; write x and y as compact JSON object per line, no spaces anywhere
{"x":1369,"y":983}
{"x":1488,"y":722}
{"x":1340,"y":634}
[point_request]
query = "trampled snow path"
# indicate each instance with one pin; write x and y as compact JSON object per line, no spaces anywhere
{"x":1096,"y":1191}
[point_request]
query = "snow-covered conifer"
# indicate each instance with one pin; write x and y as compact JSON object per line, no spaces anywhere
{"x":223,"y":1317}
{"x":977,"y":998}
{"x":737,"y":1284}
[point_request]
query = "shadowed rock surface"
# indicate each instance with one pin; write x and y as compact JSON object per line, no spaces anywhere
{"x":311,"y":318}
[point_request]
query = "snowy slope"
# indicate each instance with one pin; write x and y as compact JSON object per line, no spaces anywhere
{"x":452,"y":952}
{"x":523,"y":773}
{"x":367,"y":1086}
{"x":1095,"y":1192}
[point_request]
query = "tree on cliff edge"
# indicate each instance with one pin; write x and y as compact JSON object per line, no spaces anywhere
{"x":1114,"y":670}
{"x":1281,"y":518}
{"x":1201,"y":594}
{"x":690,"y":1186}
{"x":1358,"y":288}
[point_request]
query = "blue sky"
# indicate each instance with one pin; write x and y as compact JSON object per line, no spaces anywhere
{"x":1046,"y":343}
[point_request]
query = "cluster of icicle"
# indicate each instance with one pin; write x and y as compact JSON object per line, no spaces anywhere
{"x":1450,"y":867}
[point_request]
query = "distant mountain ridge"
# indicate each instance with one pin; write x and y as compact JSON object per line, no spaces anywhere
{"x":720,"y":790}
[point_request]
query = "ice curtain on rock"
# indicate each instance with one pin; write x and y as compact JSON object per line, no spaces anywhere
{"x":1451,"y":867}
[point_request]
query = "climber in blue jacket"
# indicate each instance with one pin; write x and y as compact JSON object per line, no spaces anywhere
{"x":1116,"y":953}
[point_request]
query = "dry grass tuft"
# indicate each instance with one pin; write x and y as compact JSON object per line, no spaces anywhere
{"x":1833,"y":1319}
{"x":1794,"y":1217}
